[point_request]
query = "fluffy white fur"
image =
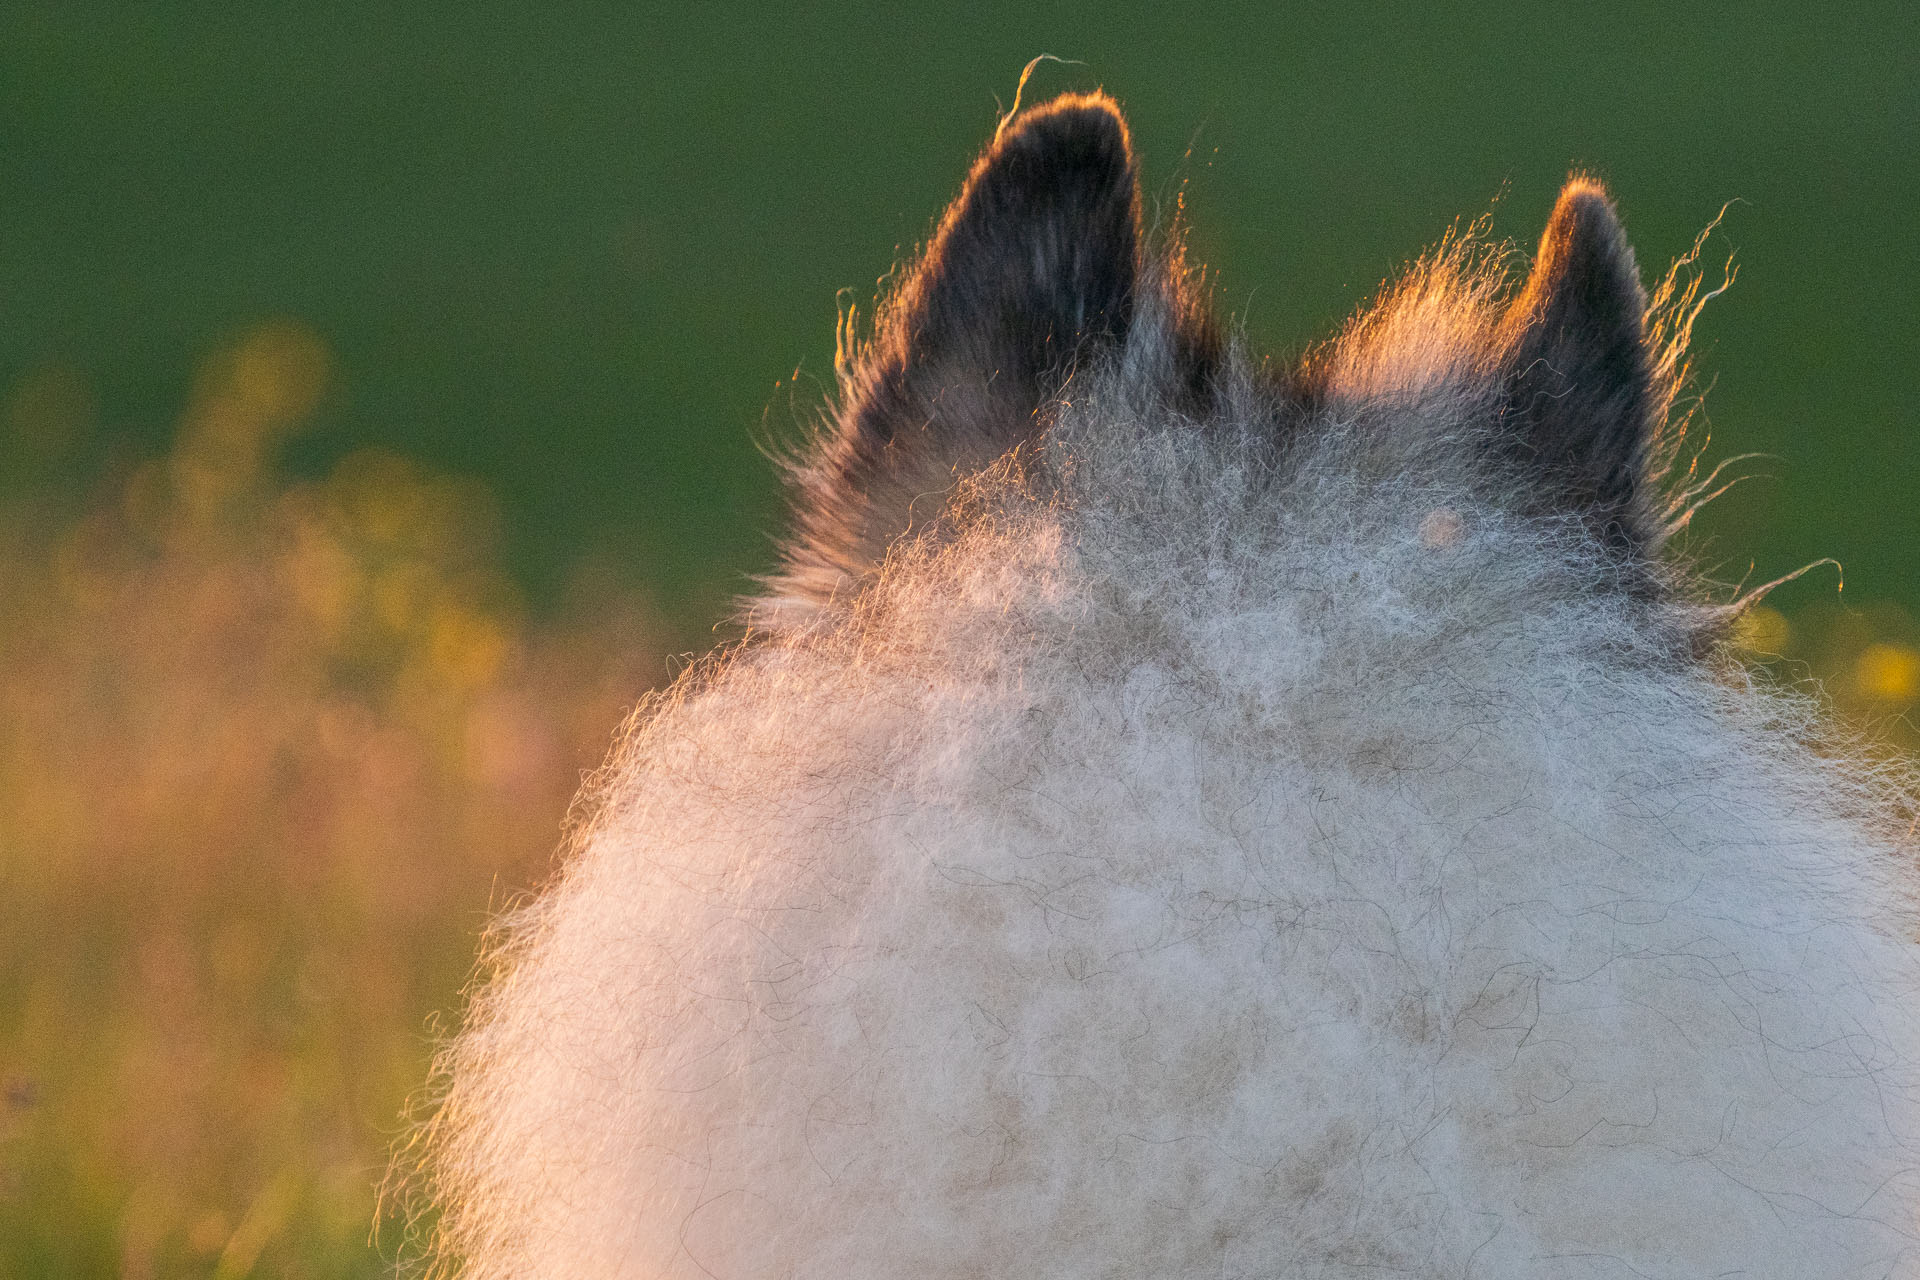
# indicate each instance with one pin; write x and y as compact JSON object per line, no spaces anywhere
{"x":1205,"y":858}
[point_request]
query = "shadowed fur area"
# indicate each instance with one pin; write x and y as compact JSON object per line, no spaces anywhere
{"x":1181,"y":816}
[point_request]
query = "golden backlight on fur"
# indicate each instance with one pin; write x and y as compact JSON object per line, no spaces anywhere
{"x":1186,"y":816}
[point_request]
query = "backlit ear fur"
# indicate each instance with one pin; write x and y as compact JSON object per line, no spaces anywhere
{"x":1582,"y":403}
{"x":1033,"y":271}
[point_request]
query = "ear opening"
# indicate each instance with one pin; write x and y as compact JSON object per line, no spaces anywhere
{"x":1581,"y":394}
{"x":1031,"y":273}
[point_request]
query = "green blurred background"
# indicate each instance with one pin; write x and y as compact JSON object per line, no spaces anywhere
{"x":385,"y":392}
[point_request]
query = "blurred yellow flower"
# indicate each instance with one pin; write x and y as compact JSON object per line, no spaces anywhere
{"x":246,"y":399}
{"x":1763,"y":630}
{"x":1888,"y":672}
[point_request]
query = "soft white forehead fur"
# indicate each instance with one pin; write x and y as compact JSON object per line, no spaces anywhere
{"x":1212,"y":860}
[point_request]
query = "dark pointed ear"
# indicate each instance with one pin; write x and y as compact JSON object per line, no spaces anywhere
{"x":1032,"y":271}
{"x":1581,"y":398}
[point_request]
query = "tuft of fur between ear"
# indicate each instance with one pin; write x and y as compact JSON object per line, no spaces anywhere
{"x":1581,"y":396}
{"x":1032,"y":272}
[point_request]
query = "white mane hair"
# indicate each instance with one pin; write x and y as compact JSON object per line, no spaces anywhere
{"x":1251,"y":824}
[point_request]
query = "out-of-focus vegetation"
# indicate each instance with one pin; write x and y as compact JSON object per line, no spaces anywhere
{"x":1864,"y":664}
{"x":275,"y":723}
{"x":266,"y":749}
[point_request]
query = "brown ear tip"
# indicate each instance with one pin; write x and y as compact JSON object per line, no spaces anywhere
{"x":1084,"y":122}
{"x":1585,"y":215}
{"x":1095,"y":108}
{"x":1582,"y":189}
{"x":1584,"y":253}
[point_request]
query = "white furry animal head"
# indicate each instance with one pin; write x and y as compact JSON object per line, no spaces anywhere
{"x":1182,"y":818}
